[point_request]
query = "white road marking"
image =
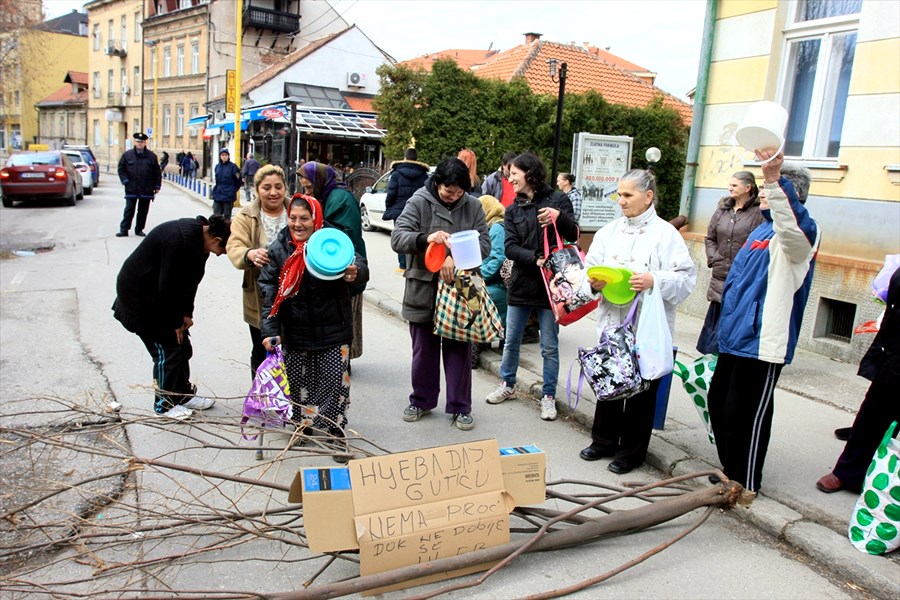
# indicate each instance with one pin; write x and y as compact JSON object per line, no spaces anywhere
{"x":18,"y":278}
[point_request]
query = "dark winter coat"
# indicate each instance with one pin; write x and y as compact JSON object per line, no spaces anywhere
{"x":408,"y":176}
{"x":249,"y":169}
{"x":319,"y":317}
{"x":157,"y":284}
{"x":525,"y":244}
{"x":228,"y":182}
{"x":140,"y":174}
{"x":882,"y":359}
{"x":728,"y":230}
{"x":424,"y":215}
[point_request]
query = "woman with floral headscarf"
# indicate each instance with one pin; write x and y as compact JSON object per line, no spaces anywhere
{"x":310,"y":318}
{"x":341,"y":210}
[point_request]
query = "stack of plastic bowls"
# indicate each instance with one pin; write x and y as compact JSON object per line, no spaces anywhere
{"x":328,"y":253}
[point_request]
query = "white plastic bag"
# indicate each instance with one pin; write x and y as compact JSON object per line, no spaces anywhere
{"x":653,"y":341}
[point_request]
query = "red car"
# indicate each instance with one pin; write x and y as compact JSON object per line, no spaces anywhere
{"x":40,"y":175}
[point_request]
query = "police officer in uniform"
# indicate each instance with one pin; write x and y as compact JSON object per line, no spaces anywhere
{"x":141,"y":175}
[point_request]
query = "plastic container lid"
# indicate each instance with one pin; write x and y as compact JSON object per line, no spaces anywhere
{"x":329,"y":252}
{"x":607,"y":274}
{"x":435,"y":255}
{"x":620,"y":292}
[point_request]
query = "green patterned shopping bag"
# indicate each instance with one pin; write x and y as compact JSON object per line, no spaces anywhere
{"x":695,"y":379}
{"x":876,"y":518}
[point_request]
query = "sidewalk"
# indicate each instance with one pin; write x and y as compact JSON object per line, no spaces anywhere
{"x":815,"y":396}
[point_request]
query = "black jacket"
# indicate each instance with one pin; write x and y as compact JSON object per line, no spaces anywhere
{"x":157,"y":284}
{"x":882,"y":360}
{"x":407,"y":178}
{"x":228,"y":182}
{"x":319,"y":316}
{"x":140,"y":173}
{"x":525,"y":243}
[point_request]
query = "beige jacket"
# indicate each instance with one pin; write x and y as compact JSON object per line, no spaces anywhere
{"x":248,"y":233}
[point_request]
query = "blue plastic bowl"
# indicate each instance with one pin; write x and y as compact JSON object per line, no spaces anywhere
{"x":329,"y":252}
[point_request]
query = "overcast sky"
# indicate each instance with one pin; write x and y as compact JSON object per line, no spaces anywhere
{"x":661,"y":35}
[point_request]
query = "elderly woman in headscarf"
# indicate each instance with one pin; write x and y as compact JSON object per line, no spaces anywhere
{"x":342,"y":211}
{"x":306,"y":315}
{"x":490,"y":266}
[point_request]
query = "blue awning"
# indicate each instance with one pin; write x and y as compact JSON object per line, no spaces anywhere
{"x":198,"y":121}
{"x":229,"y":126}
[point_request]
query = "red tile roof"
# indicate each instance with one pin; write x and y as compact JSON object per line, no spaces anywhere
{"x":64,"y":95}
{"x":359,"y":102}
{"x":76,"y":77}
{"x":586,"y":71}
{"x":466,"y":59}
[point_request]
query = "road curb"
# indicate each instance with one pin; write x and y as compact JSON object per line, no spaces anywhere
{"x":821,"y":544}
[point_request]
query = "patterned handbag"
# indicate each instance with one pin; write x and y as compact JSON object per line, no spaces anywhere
{"x":465,"y":312}
{"x":563,"y":273}
{"x":610,"y":367}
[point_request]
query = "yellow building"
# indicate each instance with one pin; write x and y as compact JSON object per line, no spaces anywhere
{"x":115,"y":74}
{"x":33,"y":62}
{"x":835,"y":66}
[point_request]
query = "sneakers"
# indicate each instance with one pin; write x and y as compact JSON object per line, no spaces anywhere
{"x":178,"y":413}
{"x":199,"y":403}
{"x":548,"y":408}
{"x":463,"y":421}
{"x":503,"y":392}
{"x":414,"y":413}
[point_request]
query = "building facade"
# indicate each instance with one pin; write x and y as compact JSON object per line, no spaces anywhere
{"x":62,"y":116}
{"x":835,"y":66}
{"x":116,"y":76}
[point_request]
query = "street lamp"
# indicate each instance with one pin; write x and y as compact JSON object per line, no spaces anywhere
{"x":154,"y":45}
{"x":652,"y":155}
{"x":560,"y":99}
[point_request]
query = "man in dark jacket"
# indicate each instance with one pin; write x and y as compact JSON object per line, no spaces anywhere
{"x":155,"y":293}
{"x":408,"y":176}
{"x":248,"y":172}
{"x":139,"y":172}
{"x":228,"y":183}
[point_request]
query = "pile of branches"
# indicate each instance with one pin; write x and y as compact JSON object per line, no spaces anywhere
{"x":82,"y":516}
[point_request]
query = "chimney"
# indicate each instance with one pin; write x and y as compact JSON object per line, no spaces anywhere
{"x":532,"y":37}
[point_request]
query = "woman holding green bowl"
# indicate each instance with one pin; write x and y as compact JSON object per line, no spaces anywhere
{"x":656,"y":261}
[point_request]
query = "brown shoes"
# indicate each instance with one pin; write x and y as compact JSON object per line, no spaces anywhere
{"x":830,"y":484}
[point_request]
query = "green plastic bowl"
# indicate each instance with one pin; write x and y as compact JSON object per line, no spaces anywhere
{"x":620,"y":292}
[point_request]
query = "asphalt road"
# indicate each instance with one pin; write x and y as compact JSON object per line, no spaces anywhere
{"x":55,"y":307}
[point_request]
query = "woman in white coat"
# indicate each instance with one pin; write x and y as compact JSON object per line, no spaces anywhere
{"x":655,"y":252}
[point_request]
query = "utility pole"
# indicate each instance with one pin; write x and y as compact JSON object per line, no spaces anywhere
{"x":239,"y":25}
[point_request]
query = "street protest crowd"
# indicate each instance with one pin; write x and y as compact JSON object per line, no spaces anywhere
{"x":527,"y":277}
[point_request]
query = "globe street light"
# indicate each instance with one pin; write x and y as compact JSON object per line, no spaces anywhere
{"x":652,"y":155}
{"x":154,"y":45}
{"x":560,"y":99}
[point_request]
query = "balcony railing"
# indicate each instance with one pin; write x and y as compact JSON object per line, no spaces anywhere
{"x":116,"y":48}
{"x":115,"y":100}
{"x":266,"y":18}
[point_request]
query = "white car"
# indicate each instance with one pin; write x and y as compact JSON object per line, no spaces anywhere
{"x":371,"y":205}
{"x":84,"y":169}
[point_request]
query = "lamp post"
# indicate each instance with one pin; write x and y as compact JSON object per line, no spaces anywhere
{"x":652,"y":155}
{"x":293,"y":143}
{"x":563,"y":69}
{"x":154,"y":45}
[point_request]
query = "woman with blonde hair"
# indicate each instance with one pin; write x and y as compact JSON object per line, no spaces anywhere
{"x":253,"y":229}
{"x":471,"y":160}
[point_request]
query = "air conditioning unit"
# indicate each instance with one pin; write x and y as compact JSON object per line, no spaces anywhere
{"x":108,"y":50}
{"x":126,"y":90}
{"x":355,"y":79}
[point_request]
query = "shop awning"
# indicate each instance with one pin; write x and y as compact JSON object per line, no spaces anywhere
{"x":209,"y":132}
{"x":229,"y":126}
{"x":198,"y":121}
{"x":346,"y":123}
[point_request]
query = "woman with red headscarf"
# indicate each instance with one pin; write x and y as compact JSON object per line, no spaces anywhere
{"x":310,"y":318}
{"x":341,"y":210}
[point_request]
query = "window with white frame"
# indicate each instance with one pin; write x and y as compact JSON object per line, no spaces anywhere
{"x":820,"y":44}
{"x":136,"y":83}
{"x":179,"y":120}
{"x":96,"y":84}
{"x":109,"y":31}
{"x":195,"y":112}
{"x":123,"y":77}
{"x":96,"y":36}
{"x":154,"y":59}
{"x":179,"y":60}
{"x":96,"y":128}
{"x":195,"y":58}
{"x":124,"y":30}
{"x":137,"y":26}
{"x":109,"y":82}
{"x":167,"y":62}
{"x":167,"y":120}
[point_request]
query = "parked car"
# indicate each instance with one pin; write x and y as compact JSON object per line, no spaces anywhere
{"x":87,"y":176}
{"x":88,"y":156}
{"x":47,"y":174}
{"x":371,"y":204}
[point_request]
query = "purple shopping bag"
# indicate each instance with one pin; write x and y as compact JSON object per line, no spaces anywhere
{"x":268,"y":403}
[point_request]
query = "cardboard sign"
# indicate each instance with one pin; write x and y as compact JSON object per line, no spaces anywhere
{"x":524,"y":472}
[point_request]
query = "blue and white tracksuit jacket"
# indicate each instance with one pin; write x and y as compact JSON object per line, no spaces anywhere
{"x":768,"y":284}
